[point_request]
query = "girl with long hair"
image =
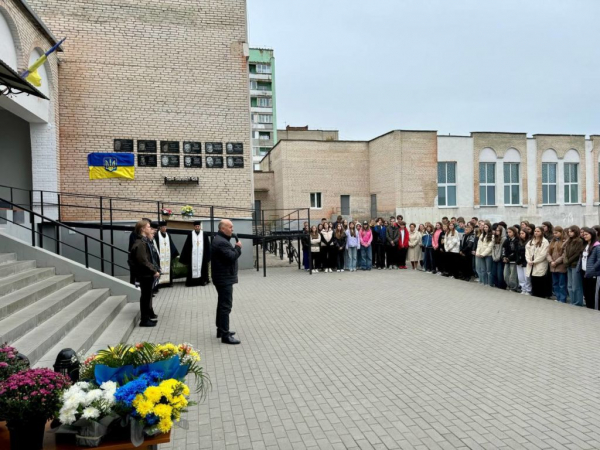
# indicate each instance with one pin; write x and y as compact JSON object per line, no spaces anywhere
{"x":366,"y":254}
{"x":558,"y":269}
{"x":536,"y":253}
{"x":427,"y":243}
{"x":352,"y":246}
{"x":315,"y":247}
{"x":497,"y":262}
{"x":524,"y":280}
{"x":509,"y":257}
{"x":327,"y":249}
{"x":437,"y":259}
{"x":588,"y":266}
{"x":414,"y":246}
{"x":339,"y":244}
{"x":483,"y":254}
{"x":572,"y":250}
{"x":452,"y":247}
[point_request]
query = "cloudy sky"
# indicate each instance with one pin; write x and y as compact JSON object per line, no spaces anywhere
{"x":456,"y":66}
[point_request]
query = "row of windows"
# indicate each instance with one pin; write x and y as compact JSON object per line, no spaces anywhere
{"x":262,"y":118}
{"x":512,"y":184}
{"x":260,"y":86}
{"x":260,"y":68}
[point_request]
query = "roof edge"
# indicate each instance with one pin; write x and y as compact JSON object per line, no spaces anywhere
{"x":45,"y":30}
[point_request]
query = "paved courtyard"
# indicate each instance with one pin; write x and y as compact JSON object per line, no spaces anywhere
{"x":386,"y":360}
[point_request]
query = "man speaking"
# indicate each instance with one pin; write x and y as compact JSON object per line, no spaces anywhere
{"x":225,"y":275}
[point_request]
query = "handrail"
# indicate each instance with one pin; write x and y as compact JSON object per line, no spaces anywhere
{"x":73,"y":230}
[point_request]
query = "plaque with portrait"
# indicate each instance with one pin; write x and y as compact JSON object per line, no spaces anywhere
{"x":123,"y":145}
{"x":192,"y":162}
{"x":146,"y":146}
{"x":235,"y":162}
{"x":234,"y":148}
{"x":212,"y":148}
{"x":169,"y":161}
{"x":147,"y":160}
{"x":193,"y":148}
{"x":169,"y":146}
{"x":214,"y":162}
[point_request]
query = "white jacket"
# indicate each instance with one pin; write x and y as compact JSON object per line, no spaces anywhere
{"x":484,"y":248}
{"x":538,"y":256}
{"x":452,"y":243}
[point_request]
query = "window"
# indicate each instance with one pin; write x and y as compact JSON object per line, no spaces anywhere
{"x":263,"y":86}
{"x":264,"y":136}
{"x":315,"y":200}
{"x":257,"y":167}
{"x":548,"y":183}
{"x":511,"y":184}
{"x":446,"y":184}
{"x":263,"y":68}
{"x":264,"y":102}
{"x":254,"y":85}
{"x":487,"y":184}
{"x":571,"y":183}
{"x":260,"y":151}
{"x":263,"y":118}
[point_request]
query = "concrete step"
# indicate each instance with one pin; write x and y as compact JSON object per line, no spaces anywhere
{"x":12,"y":267}
{"x":20,"y":280}
{"x":7,"y":257}
{"x":15,"y":301}
{"x":83,"y":336}
{"x":41,"y":339}
{"x":17,"y":325}
{"x":119,"y":330}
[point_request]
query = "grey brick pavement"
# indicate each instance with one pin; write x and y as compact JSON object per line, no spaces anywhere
{"x":386,"y":360}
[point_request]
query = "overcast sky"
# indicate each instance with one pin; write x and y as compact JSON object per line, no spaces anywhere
{"x":456,"y":66}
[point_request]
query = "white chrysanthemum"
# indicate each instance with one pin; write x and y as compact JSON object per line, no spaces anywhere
{"x":67,"y":416}
{"x":90,"y":413}
{"x":73,"y":402}
{"x":109,"y":398}
{"x":110,"y":386}
{"x":93,"y":395}
{"x":82,"y":385}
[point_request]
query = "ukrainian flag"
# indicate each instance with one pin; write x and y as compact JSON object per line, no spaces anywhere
{"x":111,"y":165}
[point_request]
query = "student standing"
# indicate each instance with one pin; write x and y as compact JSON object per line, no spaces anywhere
{"x":466,"y":252}
{"x":437,"y":259}
{"x":403,"y":239}
{"x":572,"y":250}
{"x":452,"y":247}
{"x":443,"y":263}
{"x":536,"y":253}
{"x":328,"y":252}
{"x":509,"y":257}
{"x":587,"y":266}
{"x":497,"y":262}
{"x":339,"y":243}
{"x":391,"y":244}
{"x":484,"y":254}
{"x":524,"y":280}
{"x":352,"y":246}
{"x":427,"y":243}
{"x":306,"y":247}
{"x":366,"y":239}
{"x":414,"y":246}
{"x":379,"y":244}
{"x":315,"y":247}
{"x":558,"y":269}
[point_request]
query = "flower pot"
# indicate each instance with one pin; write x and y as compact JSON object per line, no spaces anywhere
{"x":91,"y":434}
{"x":27,"y":435}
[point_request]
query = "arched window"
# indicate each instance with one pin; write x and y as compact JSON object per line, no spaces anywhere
{"x":512,"y":177}
{"x":549,"y":177}
{"x":571,"y":177}
{"x":8,"y":52}
{"x":487,"y":177}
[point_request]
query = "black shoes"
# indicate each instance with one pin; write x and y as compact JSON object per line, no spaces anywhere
{"x":220,"y":333}
{"x":153,"y":316}
{"x":229,"y":339}
{"x":147,"y":323}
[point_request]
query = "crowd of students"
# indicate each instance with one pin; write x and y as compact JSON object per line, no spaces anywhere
{"x":544,"y":261}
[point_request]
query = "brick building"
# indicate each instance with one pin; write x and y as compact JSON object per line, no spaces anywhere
{"x":424,"y":176}
{"x":148,"y":70}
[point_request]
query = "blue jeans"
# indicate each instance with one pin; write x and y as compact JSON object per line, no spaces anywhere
{"x":484,"y":270}
{"x":365,"y":258}
{"x":559,"y":286}
{"x":428,"y":259}
{"x":498,"y":275}
{"x":575,"y":286}
{"x":351,"y":258}
{"x":305,"y":258}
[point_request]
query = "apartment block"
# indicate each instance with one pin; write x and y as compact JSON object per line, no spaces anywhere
{"x":263,"y":110}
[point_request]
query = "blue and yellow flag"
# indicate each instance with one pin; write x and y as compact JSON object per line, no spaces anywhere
{"x":31,"y":74}
{"x":111,"y":165}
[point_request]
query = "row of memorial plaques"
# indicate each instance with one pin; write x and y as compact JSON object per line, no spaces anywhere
{"x":192,"y":148}
{"x":190,"y":162}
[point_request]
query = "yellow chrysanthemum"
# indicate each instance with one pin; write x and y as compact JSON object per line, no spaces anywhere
{"x":185,"y":389}
{"x":153,"y":393}
{"x":165,"y":425}
{"x":142,"y":406}
{"x":163,"y":411}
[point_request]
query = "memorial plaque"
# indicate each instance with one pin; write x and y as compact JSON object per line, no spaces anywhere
{"x":169,"y":146}
{"x":192,"y":162}
{"x":235,"y":162}
{"x":146,"y":146}
{"x":234,"y":148}
{"x":123,"y":145}
{"x":169,"y":161}
{"x":147,"y":161}
{"x":194,"y":148}
{"x":182,"y":180}
{"x":213,"y":148}
{"x":214,"y":162}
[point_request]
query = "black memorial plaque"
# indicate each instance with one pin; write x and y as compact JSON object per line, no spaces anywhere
{"x":146,"y":146}
{"x":234,"y":148}
{"x":169,"y":146}
{"x":169,"y":161}
{"x":194,"y":148}
{"x":192,"y":162}
{"x":147,"y":161}
{"x":212,"y":148}
{"x":214,"y":162}
{"x":123,"y":145}
{"x":235,"y":162}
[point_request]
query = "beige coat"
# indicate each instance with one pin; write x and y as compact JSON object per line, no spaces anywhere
{"x":539,"y":257}
{"x":484,"y":248}
{"x":414,"y":246}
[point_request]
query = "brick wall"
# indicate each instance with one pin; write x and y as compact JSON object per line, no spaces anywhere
{"x":417,"y":171}
{"x":152,"y":70}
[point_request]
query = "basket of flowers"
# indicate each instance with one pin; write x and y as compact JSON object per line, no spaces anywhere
{"x":166,"y":213}
{"x":187,"y":212}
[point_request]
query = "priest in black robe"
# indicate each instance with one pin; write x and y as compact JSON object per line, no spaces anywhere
{"x":167,"y":253}
{"x":196,"y":256}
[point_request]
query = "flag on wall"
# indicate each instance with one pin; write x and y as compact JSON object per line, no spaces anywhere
{"x":31,"y":74}
{"x":111,"y":165}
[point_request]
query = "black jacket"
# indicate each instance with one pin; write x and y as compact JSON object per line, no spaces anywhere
{"x":521,"y":258}
{"x":143,"y":261}
{"x":510,"y":249}
{"x":341,"y":242}
{"x":224,"y":260}
{"x":467,"y":243}
{"x":305,"y":240}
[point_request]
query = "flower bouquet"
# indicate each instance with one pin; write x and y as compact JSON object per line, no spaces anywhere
{"x":166,"y":213}
{"x":28,"y":399}
{"x":187,"y":211}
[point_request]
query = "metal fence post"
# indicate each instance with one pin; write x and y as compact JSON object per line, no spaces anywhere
{"x":57,"y":227}
{"x":42,"y":219}
{"x":112,"y":239}
{"x":310,"y":260}
{"x":158,"y":211}
{"x":31,"y":218}
{"x":85,"y":245}
{"x":212,"y":223}
{"x":264,"y":257}
{"x":101,"y":234}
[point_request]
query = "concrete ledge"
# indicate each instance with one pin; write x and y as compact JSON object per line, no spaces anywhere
{"x":64,"y":266}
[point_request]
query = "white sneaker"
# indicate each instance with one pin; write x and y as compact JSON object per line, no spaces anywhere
{"x":316,"y":271}
{"x":338,"y":270}
{"x":342,"y":270}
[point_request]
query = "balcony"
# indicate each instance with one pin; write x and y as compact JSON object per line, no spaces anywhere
{"x":262,"y":126}
{"x":261,"y":76}
{"x":262,"y":142}
{"x":262,"y":109}
{"x":261,"y":93}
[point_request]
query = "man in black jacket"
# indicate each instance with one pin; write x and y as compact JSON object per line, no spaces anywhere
{"x":225,"y":275}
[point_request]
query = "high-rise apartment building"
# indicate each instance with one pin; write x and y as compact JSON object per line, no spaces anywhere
{"x":262,"y":102}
